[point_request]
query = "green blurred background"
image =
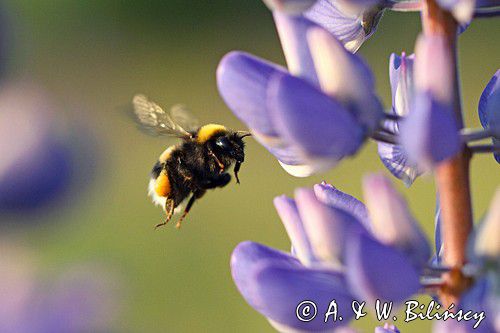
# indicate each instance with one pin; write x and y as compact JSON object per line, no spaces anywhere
{"x":92,"y":56}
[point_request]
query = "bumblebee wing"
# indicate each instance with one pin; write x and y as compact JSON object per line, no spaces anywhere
{"x":155,"y":120}
{"x":183,"y":117}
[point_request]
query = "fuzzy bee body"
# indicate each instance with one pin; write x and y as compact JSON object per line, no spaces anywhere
{"x":199,"y":163}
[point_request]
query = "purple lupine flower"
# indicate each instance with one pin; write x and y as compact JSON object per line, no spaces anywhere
{"x":489,"y":110}
{"x":351,"y":25}
{"x":307,"y":129}
{"x":393,"y":156}
{"x":268,"y":99}
{"x":36,"y":165}
{"x":429,"y":133}
{"x":333,"y":257}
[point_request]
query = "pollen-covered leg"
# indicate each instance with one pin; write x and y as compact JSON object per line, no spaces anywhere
{"x":169,"y":209}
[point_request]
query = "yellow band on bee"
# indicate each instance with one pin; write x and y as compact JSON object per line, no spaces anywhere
{"x":206,"y":132}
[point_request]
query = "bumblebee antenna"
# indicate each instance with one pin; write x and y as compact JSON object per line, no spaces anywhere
{"x":243,"y":134}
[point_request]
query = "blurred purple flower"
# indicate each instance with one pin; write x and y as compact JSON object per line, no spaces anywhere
{"x":307,"y":129}
{"x":333,"y":257}
{"x":393,"y":156}
{"x":36,"y":164}
{"x":82,"y":299}
{"x":430,"y":134}
{"x":489,"y":110}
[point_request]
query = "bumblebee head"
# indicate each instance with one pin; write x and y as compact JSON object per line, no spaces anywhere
{"x":231,"y":144}
{"x":223,"y":142}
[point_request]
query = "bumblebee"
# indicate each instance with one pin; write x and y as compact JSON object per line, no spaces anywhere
{"x":198,"y":163}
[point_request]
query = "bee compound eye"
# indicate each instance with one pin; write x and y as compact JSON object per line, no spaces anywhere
{"x":223,"y":142}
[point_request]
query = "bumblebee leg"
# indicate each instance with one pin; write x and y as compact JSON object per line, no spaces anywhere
{"x":219,"y":163}
{"x":196,"y":195}
{"x":169,"y":208}
{"x":236,"y":170}
{"x":186,"y":211}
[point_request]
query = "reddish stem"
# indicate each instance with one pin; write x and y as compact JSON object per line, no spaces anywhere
{"x":452,"y":176}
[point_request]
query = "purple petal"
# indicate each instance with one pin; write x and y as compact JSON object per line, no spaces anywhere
{"x":291,"y":157}
{"x":243,"y":83}
{"x":287,"y":210}
{"x":489,"y":105}
{"x":387,"y":329}
{"x":484,"y":295}
{"x":487,"y":3}
{"x":291,"y":7}
{"x":375,"y":271}
{"x":281,"y":289}
{"x":430,"y":133}
{"x":333,"y":197}
{"x":312,"y":121}
{"x":489,"y":109}
{"x":327,"y":228}
{"x":477,"y":299}
{"x":453,"y":326}
{"x":346,"y":27}
{"x":433,"y":68}
{"x":392,"y":222}
{"x":401,"y":77}
{"x":393,"y":156}
{"x":462,"y":10}
{"x":487,"y":242}
{"x":437,"y":230}
{"x":244,"y":259}
{"x":293,"y":35}
{"x":396,"y":160}
{"x":282,"y":150}
{"x":345,"y":77}
{"x":243,"y":80}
